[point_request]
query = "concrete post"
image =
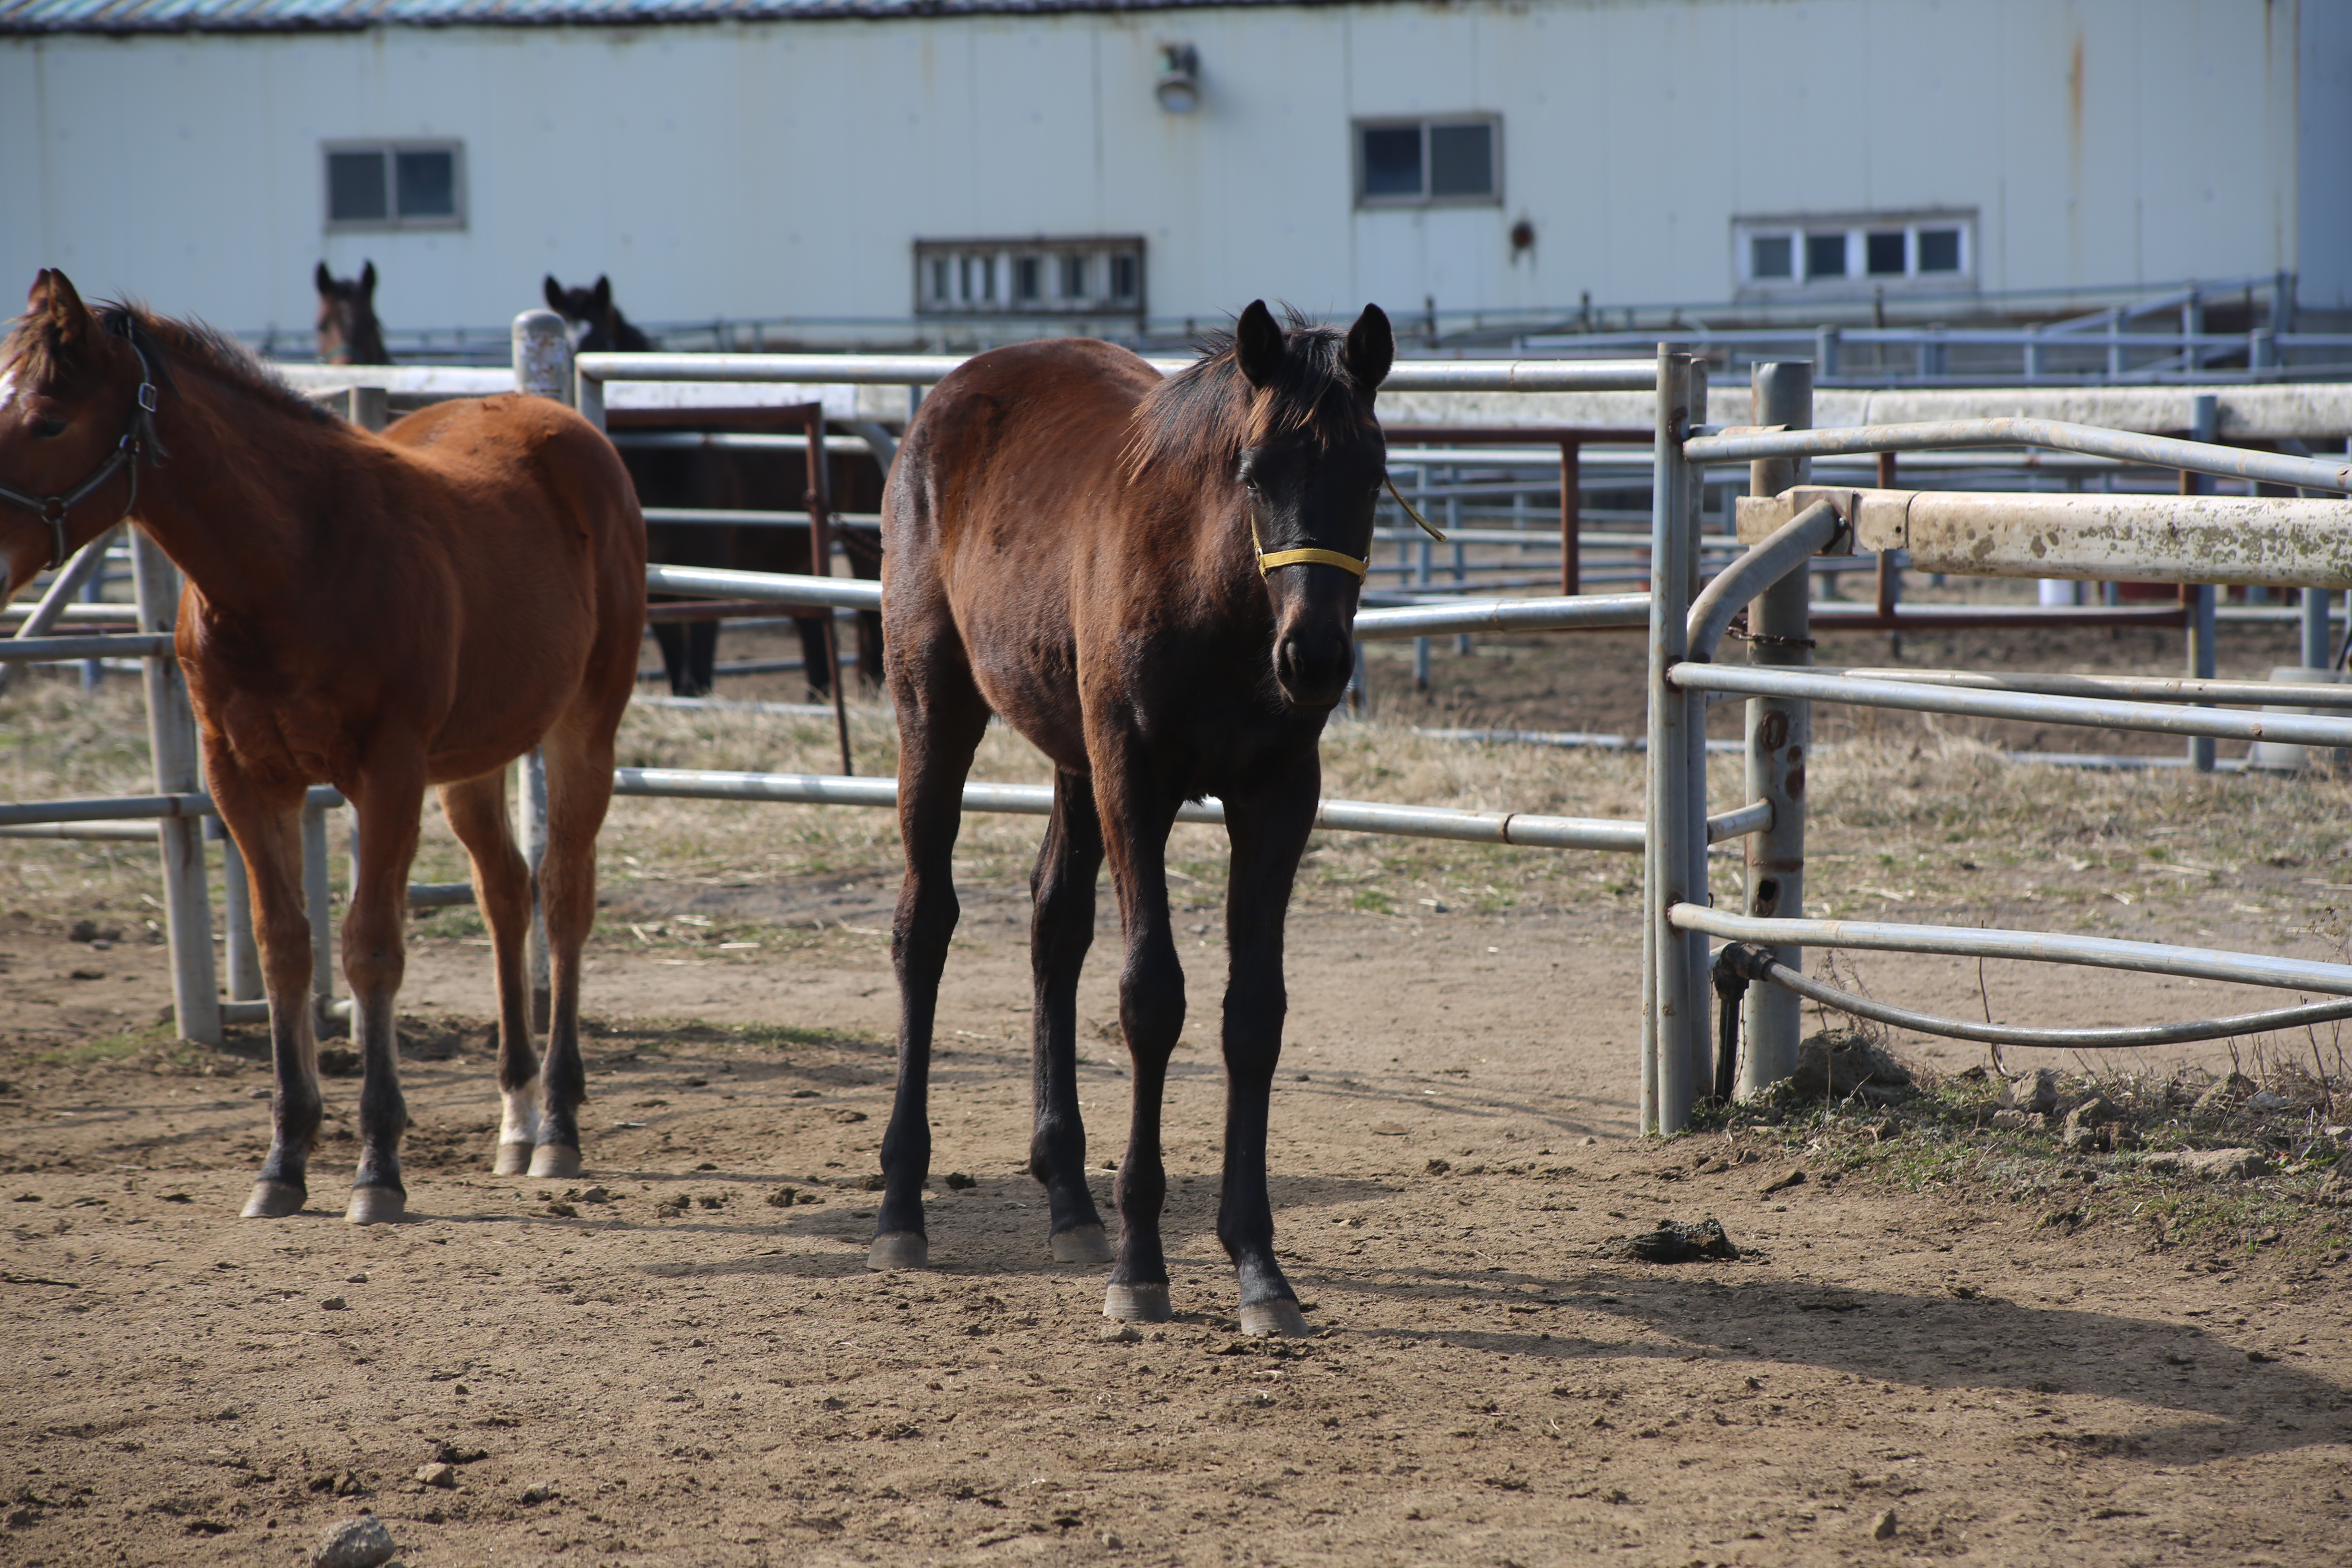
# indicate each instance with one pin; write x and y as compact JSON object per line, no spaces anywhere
{"x":171,"y":741}
{"x":543,"y":368}
{"x":1780,"y":734}
{"x":318,"y":901}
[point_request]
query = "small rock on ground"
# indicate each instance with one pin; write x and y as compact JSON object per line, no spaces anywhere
{"x":361,"y":1542}
{"x":438,"y":1474}
{"x":1883,"y":1526}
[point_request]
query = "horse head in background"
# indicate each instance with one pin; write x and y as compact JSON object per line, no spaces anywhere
{"x":349,"y":333}
{"x":597,"y":325}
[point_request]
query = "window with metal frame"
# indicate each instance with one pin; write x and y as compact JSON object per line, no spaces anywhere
{"x":1438,"y":161}
{"x":395,"y":185}
{"x":1077,"y":276}
{"x":1853,"y":253}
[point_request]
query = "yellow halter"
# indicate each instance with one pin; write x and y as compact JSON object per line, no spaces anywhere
{"x":1267,"y":562}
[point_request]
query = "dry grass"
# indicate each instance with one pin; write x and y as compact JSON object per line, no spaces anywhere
{"x":1943,"y":817}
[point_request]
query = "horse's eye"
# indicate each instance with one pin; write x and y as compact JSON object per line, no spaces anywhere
{"x":48,"y":428}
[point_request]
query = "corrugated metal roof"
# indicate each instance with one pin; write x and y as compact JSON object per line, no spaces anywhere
{"x":120,"y":16}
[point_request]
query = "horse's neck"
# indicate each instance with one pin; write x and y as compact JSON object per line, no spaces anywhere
{"x":245,"y":485}
{"x":367,"y":343}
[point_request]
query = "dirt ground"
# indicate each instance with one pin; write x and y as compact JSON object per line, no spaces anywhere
{"x":1935,"y":1346}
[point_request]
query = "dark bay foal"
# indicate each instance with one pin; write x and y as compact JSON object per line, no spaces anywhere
{"x":1154,"y":582}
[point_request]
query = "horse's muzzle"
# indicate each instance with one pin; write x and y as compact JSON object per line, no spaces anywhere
{"x":1313,"y":667}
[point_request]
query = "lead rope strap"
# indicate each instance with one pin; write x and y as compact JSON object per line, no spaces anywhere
{"x":1389,"y":481}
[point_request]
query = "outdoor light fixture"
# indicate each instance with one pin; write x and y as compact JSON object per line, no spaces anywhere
{"x":1179,"y":87}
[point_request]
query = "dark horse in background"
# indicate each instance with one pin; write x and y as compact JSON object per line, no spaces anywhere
{"x":730,"y":480}
{"x":384,"y":613}
{"x":1155,"y":582}
{"x":349,"y":333}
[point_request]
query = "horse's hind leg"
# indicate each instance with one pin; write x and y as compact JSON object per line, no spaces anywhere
{"x":1061,"y":928}
{"x":942,"y":718}
{"x":578,"y":788}
{"x":268,"y":829}
{"x":387,"y":797}
{"x":1268,"y":833}
{"x":476,"y":810}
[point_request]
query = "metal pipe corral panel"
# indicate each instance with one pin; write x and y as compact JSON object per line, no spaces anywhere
{"x":2047,"y":947}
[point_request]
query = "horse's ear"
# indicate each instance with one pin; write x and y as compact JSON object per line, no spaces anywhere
{"x":1257,"y":345}
{"x":367,"y":281}
{"x":53,"y":296}
{"x":604,"y":293}
{"x":1371,"y":348}
{"x":323,"y":280}
{"x":554,"y":294}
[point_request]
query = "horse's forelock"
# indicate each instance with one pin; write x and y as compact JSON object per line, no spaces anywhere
{"x":1204,"y":414}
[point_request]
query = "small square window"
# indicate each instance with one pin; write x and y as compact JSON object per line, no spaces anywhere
{"x":356,"y":188}
{"x":426,"y":182}
{"x":1392,"y":160}
{"x":1882,"y":253}
{"x":1772,"y":255}
{"x":1074,"y":278}
{"x":1462,"y":160}
{"x":1825,"y":255}
{"x":1126,"y":279}
{"x":1940,"y":250}
{"x":1027,"y":274}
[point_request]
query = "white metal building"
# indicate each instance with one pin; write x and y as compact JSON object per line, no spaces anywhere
{"x":764,"y":159}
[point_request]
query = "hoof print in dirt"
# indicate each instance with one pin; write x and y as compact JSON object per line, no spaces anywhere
{"x":361,"y":1542}
{"x":1675,"y":1242}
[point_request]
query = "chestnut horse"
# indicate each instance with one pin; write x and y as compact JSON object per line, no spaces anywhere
{"x":1154,"y":582}
{"x":380,"y":612}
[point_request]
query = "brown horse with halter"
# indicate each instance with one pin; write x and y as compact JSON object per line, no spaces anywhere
{"x":380,"y":612}
{"x":1154,"y":582}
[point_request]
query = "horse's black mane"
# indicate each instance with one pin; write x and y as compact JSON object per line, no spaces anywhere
{"x":1207,"y":413}
{"x":32,"y":349}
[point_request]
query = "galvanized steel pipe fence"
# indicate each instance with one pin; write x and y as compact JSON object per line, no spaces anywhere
{"x":1792,"y":527}
{"x":2193,"y":540}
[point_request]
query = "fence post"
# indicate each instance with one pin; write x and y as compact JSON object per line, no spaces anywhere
{"x":543,"y":368}
{"x":171,"y":740}
{"x":1571,"y":521}
{"x":318,"y":900}
{"x":1779,"y":733}
{"x":2204,"y":425}
{"x":1673,"y":1005}
{"x":1825,"y":353}
{"x":243,"y":958}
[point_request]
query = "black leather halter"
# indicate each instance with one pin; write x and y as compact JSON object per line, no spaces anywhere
{"x":132,"y":450}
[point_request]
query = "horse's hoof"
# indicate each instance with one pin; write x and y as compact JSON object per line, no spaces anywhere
{"x":1137,"y":1303}
{"x":1280,"y":1316}
{"x":514,"y":1160}
{"x":1082,"y":1244}
{"x":555,"y":1160}
{"x":273,"y":1200}
{"x":898,"y":1249}
{"x":377,"y":1205}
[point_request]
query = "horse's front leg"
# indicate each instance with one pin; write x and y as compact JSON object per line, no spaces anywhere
{"x":1061,"y":928}
{"x":387,"y":795}
{"x":266,"y":825}
{"x":1268,"y":833}
{"x":1135,"y":815}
